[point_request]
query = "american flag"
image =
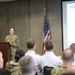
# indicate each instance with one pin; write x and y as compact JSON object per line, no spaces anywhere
{"x":46,"y":34}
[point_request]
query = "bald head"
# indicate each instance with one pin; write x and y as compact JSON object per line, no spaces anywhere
{"x":67,"y":55}
{"x":72,"y":47}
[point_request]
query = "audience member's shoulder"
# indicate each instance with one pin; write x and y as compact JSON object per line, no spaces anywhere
{"x":14,"y":64}
{"x":38,"y":55}
{"x":58,"y":57}
{"x":59,"y":60}
{"x":11,"y":63}
{"x":58,"y":71}
{"x":43,"y":56}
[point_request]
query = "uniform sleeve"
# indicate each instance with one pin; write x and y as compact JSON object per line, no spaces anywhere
{"x":54,"y":72}
{"x":6,"y":39}
{"x":58,"y":71}
{"x":8,"y":66}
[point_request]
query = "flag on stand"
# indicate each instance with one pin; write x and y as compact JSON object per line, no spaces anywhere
{"x":46,"y":32}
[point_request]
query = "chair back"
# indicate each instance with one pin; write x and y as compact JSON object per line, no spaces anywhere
{"x":47,"y":70}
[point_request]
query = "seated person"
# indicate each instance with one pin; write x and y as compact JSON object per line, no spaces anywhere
{"x":31,"y":45}
{"x":70,"y":71}
{"x":49,"y":58}
{"x":5,"y":72}
{"x":67,"y":57}
{"x":13,"y":66}
{"x":27,"y":65}
{"x":72,"y":47}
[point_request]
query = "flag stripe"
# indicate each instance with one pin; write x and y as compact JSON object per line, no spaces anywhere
{"x":46,"y":33}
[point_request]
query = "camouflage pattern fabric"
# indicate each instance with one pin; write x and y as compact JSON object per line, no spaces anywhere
{"x":13,"y":68}
{"x":14,"y":41}
{"x":58,"y":71}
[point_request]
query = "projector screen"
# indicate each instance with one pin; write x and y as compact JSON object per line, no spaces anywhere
{"x":68,"y":20}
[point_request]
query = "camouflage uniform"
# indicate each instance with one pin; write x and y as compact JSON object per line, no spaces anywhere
{"x":14,"y":40}
{"x":58,"y":71}
{"x":13,"y":68}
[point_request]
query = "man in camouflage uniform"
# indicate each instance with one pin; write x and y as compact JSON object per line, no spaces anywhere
{"x":67,"y":58}
{"x":14,"y":41}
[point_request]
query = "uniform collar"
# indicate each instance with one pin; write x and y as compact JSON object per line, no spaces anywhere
{"x":31,"y":51}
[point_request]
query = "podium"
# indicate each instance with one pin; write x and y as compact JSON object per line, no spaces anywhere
{"x":5,"y":48}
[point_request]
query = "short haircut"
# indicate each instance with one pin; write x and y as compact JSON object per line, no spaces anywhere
{"x":26,"y":64}
{"x":30,"y":43}
{"x":4,"y":72}
{"x":72,"y":47}
{"x":67,"y":55}
{"x":49,"y":44}
{"x":19,"y":53}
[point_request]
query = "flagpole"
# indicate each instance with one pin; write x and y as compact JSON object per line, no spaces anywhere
{"x":29,"y":16}
{"x":45,"y":9}
{"x":44,"y":12}
{"x":46,"y":31}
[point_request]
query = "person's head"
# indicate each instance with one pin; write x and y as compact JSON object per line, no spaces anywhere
{"x":31,"y":44}
{"x":11,"y":31}
{"x":1,"y":60}
{"x":5,"y":72}
{"x":68,"y":56}
{"x":19,"y":53}
{"x":27,"y":65}
{"x":49,"y":45}
{"x":72,"y":47}
{"x":71,"y":69}
{"x":68,"y":73}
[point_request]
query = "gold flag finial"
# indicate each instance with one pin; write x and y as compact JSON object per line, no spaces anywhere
{"x":44,"y":11}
